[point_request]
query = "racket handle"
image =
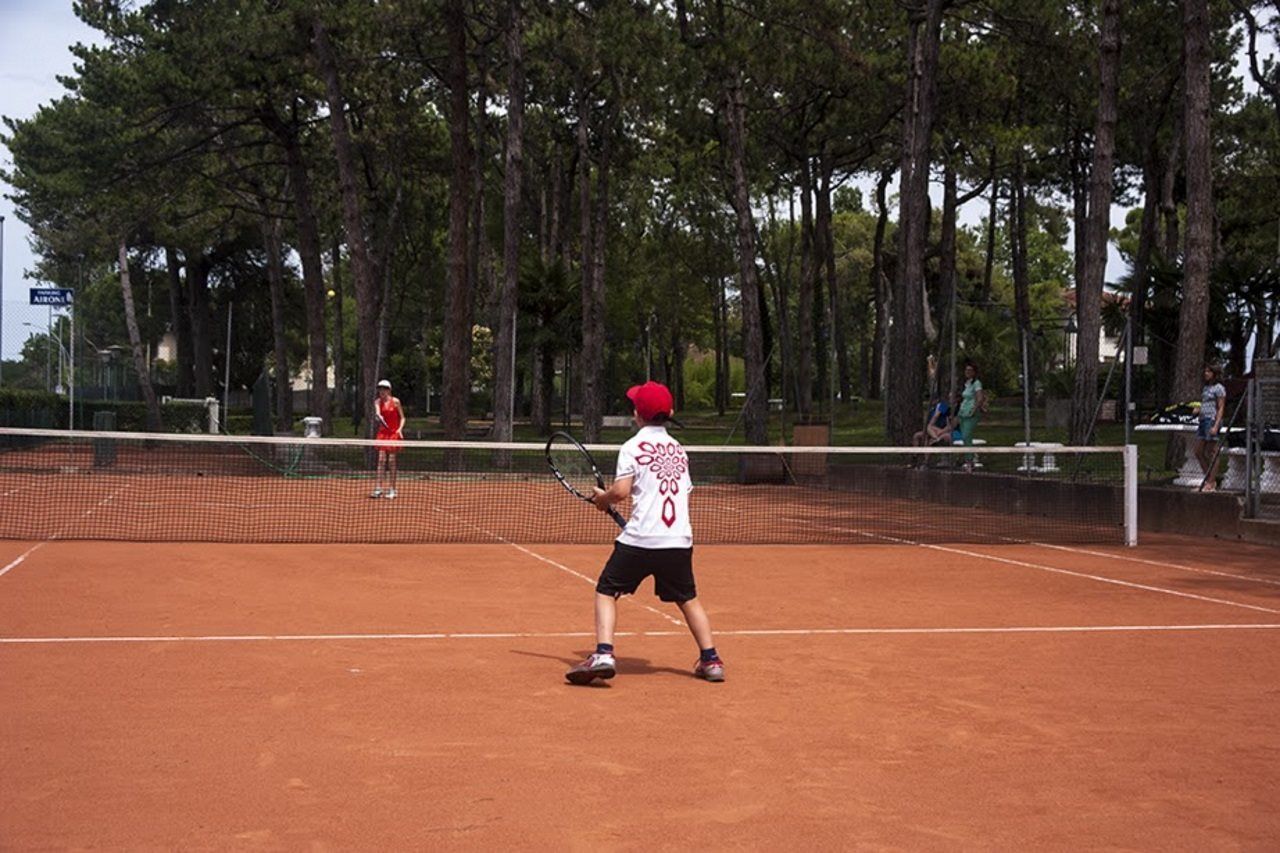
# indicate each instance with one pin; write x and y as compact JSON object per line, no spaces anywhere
{"x":617,"y":516}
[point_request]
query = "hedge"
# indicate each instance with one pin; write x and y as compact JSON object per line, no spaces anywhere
{"x":43,"y":410}
{"x":32,"y":409}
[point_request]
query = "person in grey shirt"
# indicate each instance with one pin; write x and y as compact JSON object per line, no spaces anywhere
{"x":1213,"y":402}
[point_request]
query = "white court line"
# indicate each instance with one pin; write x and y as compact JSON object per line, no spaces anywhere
{"x":557,"y":565}
{"x":757,"y":632}
{"x":1069,"y":572}
{"x":36,"y":547}
{"x":23,"y":556}
{"x":1160,"y":563}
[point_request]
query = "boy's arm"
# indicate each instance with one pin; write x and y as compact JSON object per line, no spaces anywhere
{"x":617,"y":492}
{"x":1222,"y":408}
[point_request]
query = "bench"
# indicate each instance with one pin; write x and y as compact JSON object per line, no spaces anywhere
{"x":1234,"y":479}
{"x":1047,"y":449}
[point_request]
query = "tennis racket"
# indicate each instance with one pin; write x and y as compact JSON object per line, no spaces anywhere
{"x":576,"y":470}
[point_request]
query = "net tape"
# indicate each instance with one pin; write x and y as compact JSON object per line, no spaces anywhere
{"x":160,"y":487}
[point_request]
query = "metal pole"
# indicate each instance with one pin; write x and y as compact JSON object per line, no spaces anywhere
{"x":951,"y":380}
{"x":48,"y":356}
{"x":1250,"y":487}
{"x":1131,"y":495}
{"x":71,"y":357}
{"x":1026,"y":392}
{"x":1128,"y":373}
{"x":226,"y":358}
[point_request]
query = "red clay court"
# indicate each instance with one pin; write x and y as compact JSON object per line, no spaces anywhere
{"x":881,"y":695}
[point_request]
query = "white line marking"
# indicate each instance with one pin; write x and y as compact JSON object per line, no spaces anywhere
{"x":36,"y":547}
{"x":23,"y":556}
{"x":552,"y":562}
{"x":1159,"y":563}
{"x":1069,"y":572}
{"x":756,"y":632}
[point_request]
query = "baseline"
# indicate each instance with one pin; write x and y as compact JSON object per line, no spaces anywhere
{"x":742,"y":632}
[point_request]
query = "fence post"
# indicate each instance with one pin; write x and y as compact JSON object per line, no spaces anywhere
{"x":1131,"y":495}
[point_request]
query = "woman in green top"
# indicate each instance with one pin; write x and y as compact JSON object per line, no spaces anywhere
{"x":970,"y":407}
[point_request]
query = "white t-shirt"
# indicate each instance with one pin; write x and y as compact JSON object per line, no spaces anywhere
{"x":659,"y":492}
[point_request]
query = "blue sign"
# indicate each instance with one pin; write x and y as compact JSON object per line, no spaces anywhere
{"x":52,"y":295}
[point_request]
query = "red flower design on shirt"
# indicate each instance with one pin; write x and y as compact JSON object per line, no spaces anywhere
{"x":668,"y":462}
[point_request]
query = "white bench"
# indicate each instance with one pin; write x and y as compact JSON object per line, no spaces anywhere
{"x":1048,"y":463}
{"x":1234,"y":479}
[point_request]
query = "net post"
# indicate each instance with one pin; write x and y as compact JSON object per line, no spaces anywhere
{"x":1131,"y":495}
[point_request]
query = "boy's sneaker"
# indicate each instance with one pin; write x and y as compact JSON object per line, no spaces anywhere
{"x":595,"y":666}
{"x":377,"y":493}
{"x":711,"y":670}
{"x":391,"y":494}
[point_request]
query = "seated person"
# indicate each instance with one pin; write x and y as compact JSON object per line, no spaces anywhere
{"x":937,"y":430}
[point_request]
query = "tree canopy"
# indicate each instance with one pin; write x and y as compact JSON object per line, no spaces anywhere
{"x":516,"y":209}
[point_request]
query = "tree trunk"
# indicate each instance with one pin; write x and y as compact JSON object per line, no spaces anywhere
{"x":1021,"y":279}
{"x":1101,"y":173}
{"x":724,"y":387}
{"x":880,"y":289}
{"x":136,"y":344}
{"x":457,"y":324}
{"x":947,"y":280}
{"x":1170,"y":246}
{"x":339,"y":335}
{"x":906,"y":333}
{"x":543,"y":376}
{"x":1193,"y":316}
{"x":826,"y":228}
{"x":367,"y":290}
{"x":201,"y":335}
{"x":804,"y":353}
{"x":180,"y":320}
{"x":1080,"y":210}
{"x":312,"y":281}
{"x":821,"y":326}
{"x":993,"y":212}
{"x":505,"y":346}
{"x":593,"y":380}
{"x":1018,"y":244}
{"x":755,"y":408}
{"x":778,"y":275}
{"x":1147,"y":238}
{"x":273,"y":243}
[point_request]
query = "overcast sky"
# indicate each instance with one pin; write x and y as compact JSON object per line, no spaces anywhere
{"x":35,"y":37}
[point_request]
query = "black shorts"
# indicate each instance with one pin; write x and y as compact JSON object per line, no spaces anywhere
{"x":672,"y":570}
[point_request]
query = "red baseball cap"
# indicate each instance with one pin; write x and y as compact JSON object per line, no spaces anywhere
{"x":651,"y":399}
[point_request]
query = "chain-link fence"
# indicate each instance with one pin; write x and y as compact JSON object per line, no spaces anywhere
{"x":1261,"y":459}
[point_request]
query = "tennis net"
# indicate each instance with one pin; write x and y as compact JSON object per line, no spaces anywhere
{"x":197,"y":488}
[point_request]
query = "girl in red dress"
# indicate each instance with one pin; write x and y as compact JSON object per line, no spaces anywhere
{"x":388,"y":414}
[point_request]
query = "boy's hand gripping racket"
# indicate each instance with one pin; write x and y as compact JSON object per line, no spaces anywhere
{"x":576,"y":470}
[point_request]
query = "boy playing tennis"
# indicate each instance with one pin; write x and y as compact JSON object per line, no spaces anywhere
{"x":653,"y":470}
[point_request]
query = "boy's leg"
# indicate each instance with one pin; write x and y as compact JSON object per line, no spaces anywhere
{"x":606,"y":618}
{"x":699,"y":625}
{"x":601,"y":663}
{"x":709,"y":667}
